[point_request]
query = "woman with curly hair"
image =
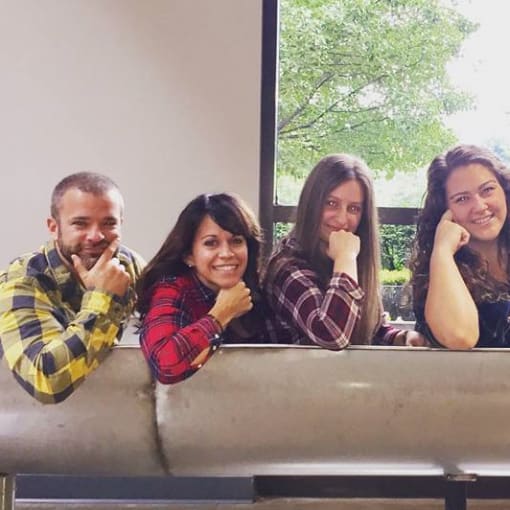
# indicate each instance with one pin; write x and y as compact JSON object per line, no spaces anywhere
{"x":322,"y":281}
{"x":460,"y":266}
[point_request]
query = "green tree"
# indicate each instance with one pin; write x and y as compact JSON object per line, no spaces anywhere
{"x":367,"y":77}
{"x":396,"y":245}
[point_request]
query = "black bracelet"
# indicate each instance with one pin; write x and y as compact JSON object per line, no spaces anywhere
{"x":217,"y":322}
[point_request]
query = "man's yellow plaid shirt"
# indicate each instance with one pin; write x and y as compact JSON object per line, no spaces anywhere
{"x":53,"y":331}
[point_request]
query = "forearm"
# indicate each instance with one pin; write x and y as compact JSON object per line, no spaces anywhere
{"x":326,"y":318}
{"x":450,"y":311}
{"x":173,"y":353}
{"x":388,"y":335}
{"x":348,"y":266}
{"x":50,"y":356}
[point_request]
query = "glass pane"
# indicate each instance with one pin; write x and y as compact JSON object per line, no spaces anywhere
{"x":395,"y":82}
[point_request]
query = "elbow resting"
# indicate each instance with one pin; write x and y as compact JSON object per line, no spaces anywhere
{"x":459,"y":339}
{"x":46,"y":398}
{"x":172,"y":376}
{"x":337,"y":345}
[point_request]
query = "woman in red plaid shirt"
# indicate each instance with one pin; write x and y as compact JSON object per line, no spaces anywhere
{"x":201,"y":288}
{"x":323,"y":279}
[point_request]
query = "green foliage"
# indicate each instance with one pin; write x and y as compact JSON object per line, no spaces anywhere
{"x":395,"y":277}
{"x":367,"y":77}
{"x":280,"y":230}
{"x":396,"y":245}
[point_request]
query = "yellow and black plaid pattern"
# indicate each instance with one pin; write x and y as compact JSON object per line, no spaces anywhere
{"x":53,"y":331}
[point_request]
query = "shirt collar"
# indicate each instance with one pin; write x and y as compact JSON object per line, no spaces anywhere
{"x":206,"y":292}
{"x":63,"y":274}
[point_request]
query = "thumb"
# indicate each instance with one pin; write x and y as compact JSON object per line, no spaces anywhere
{"x":79,"y":267}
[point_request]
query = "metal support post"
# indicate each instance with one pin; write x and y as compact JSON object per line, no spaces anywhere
{"x":456,"y":491}
{"x":7,"y":491}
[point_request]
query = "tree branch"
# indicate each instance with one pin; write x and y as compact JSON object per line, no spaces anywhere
{"x":285,"y":122}
{"x":330,"y":108}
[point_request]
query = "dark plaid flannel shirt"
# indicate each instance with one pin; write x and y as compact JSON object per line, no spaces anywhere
{"x":53,"y":332}
{"x":314,"y":315}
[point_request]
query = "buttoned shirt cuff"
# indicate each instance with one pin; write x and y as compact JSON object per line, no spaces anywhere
{"x":103,"y":303}
{"x":213,"y":330}
{"x":388,"y":335}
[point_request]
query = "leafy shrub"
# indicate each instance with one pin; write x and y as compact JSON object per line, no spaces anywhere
{"x":395,"y":277}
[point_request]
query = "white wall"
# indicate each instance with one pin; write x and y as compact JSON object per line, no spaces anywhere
{"x":162,"y":95}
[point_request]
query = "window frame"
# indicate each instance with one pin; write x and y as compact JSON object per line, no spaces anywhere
{"x":269,"y":211}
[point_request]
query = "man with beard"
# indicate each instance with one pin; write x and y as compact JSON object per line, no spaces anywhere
{"x":64,"y":306}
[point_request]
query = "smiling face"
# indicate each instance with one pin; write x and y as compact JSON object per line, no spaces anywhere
{"x":218,"y":257}
{"x":477,"y":201}
{"x":343,"y":209}
{"x":86,"y":224}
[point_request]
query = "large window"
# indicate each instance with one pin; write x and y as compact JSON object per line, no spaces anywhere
{"x":393,"y":81}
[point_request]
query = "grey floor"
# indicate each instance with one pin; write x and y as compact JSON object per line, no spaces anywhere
{"x":280,"y":504}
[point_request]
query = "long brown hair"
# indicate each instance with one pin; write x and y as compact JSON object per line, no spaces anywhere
{"x":330,"y":172}
{"x":472,"y":267}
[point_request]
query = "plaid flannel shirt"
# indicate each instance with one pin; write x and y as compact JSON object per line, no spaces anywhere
{"x":176,"y":329}
{"x":53,"y":332}
{"x":310,"y":313}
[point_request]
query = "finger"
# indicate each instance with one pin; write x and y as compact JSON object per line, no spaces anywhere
{"x":464,"y":238}
{"x":447,"y":216}
{"x":201,"y":358}
{"x":79,"y":267}
{"x":109,"y":252}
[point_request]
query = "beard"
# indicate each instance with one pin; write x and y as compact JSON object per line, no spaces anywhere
{"x":88,"y":259}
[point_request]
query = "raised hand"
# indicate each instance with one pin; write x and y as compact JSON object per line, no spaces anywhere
{"x":231,"y":303}
{"x":344,"y":245}
{"x":106,"y":274}
{"x":343,"y":249}
{"x":449,"y":235}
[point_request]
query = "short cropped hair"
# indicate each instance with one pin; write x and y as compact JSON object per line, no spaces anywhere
{"x":88,"y":182}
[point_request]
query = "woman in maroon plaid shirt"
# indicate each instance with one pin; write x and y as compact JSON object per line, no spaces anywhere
{"x":201,"y":288}
{"x":323,"y":279}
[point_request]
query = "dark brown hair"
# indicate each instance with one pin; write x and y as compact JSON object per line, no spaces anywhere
{"x":471,"y":265}
{"x":230,"y":213}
